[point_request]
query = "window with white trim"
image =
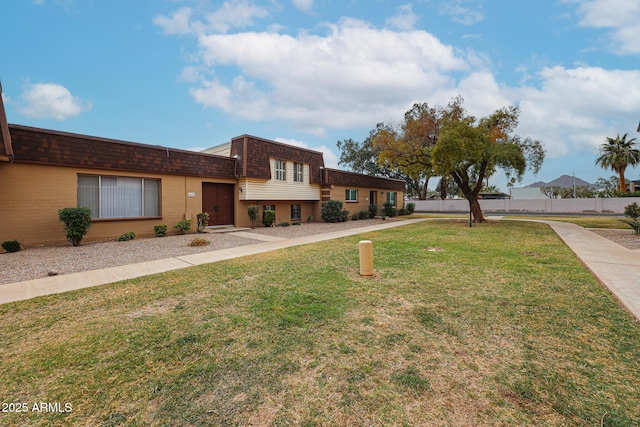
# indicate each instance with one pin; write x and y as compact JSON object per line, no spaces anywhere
{"x":269,"y":207}
{"x":391,"y":198}
{"x":351,"y":195}
{"x":281,"y":170}
{"x":119,"y":196}
{"x":297,"y":172}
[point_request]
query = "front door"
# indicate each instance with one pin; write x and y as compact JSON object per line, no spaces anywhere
{"x":373,"y":197}
{"x":217,"y":201}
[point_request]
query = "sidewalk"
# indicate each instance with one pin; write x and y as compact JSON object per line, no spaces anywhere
{"x":616,"y":267}
{"x":19,"y":291}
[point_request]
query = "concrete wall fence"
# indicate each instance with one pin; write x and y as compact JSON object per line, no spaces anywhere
{"x":566,"y":206}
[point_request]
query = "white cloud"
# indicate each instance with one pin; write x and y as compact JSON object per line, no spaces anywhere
{"x":354,"y":75}
{"x":574,"y":110}
{"x":231,"y":15}
{"x":304,"y":5}
{"x":460,"y":13}
{"x":620,"y":17}
{"x":38,"y":2}
{"x":51,"y":101}
{"x":405,"y":19}
{"x":330,"y":159}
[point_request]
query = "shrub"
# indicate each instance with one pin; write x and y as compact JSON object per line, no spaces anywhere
{"x":332,"y":211}
{"x":373,"y":211}
{"x":355,"y":217}
{"x":203,"y":221}
{"x":199,"y":241}
{"x":253,"y":214}
{"x":127,"y":236}
{"x":363,"y":215}
{"x":76,"y":223}
{"x":160,"y":230}
{"x":296,"y":222}
{"x":411,"y":207}
{"x":387,"y":209}
{"x":309,"y":218}
{"x":632,"y":213}
{"x":403,"y":211}
{"x":268,"y":218}
{"x":284,"y":223}
{"x":183,"y":226}
{"x":11,"y":246}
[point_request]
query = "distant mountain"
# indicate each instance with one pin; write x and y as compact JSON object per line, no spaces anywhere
{"x":565,"y":181}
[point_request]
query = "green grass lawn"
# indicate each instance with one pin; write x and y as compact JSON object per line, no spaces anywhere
{"x":586,"y":221}
{"x":494,"y":325}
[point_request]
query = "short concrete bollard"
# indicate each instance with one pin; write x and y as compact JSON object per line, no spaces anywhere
{"x":366,"y":258}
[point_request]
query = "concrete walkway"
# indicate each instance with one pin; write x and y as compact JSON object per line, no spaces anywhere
{"x":616,"y":267}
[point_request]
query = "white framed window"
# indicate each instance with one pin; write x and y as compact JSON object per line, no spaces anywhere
{"x":351,"y":195}
{"x":296,"y":212}
{"x":391,"y":197}
{"x":119,"y":196}
{"x":297,"y":172}
{"x":269,"y":207}
{"x":281,"y":170}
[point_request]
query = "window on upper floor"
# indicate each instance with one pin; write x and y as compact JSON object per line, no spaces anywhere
{"x":351,"y":195}
{"x":281,"y":170}
{"x":297,"y":172}
{"x":119,"y":196}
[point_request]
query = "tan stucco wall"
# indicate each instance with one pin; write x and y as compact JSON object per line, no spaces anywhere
{"x":338,"y":193}
{"x":283,"y":212}
{"x":31,"y":195}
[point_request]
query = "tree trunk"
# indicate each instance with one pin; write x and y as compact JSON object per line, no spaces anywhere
{"x":478,"y":218}
{"x":623,"y":184}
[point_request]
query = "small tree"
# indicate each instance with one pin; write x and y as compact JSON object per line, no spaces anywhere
{"x":76,"y":223}
{"x":632,"y":213}
{"x":253,"y":214}
{"x":203,"y":221}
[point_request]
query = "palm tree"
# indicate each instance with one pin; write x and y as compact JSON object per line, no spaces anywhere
{"x":617,"y":154}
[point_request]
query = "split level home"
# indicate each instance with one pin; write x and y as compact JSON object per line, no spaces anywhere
{"x":133,"y":187}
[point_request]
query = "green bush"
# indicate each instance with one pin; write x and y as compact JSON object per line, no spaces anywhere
{"x":160,"y":230}
{"x":296,"y":222}
{"x":11,"y":246}
{"x":127,"y":236}
{"x":403,"y":211}
{"x":632,"y":213}
{"x":284,"y":223}
{"x":373,"y":211}
{"x":268,"y":218}
{"x":411,"y":207}
{"x":363,"y":214}
{"x":355,"y":217}
{"x":203,"y":221}
{"x":183,"y":226}
{"x":77,"y":222}
{"x":332,"y":211}
{"x":389,"y":210}
{"x":253,"y":214}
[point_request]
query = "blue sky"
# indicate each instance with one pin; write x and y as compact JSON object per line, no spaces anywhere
{"x":194,"y":73}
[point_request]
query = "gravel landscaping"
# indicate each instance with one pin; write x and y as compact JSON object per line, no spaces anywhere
{"x":37,"y":262}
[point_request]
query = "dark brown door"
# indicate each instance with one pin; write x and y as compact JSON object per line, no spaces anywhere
{"x":217,"y":201}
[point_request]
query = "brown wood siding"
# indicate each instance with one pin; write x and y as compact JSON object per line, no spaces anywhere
{"x":33,"y":145}
{"x":255,"y":153}
{"x":356,"y":180}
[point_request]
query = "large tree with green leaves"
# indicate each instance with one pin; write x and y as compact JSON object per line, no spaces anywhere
{"x":470,"y":150}
{"x":617,"y":154}
{"x":407,"y":146}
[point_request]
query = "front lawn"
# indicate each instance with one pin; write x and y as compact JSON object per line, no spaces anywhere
{"x":494,"y":325}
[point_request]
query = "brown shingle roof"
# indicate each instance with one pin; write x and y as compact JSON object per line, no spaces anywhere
{"x":33,"y":145}
{"x":352,"y":179}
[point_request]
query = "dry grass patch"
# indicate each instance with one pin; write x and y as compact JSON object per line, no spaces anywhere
{"x":480,"y":333}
